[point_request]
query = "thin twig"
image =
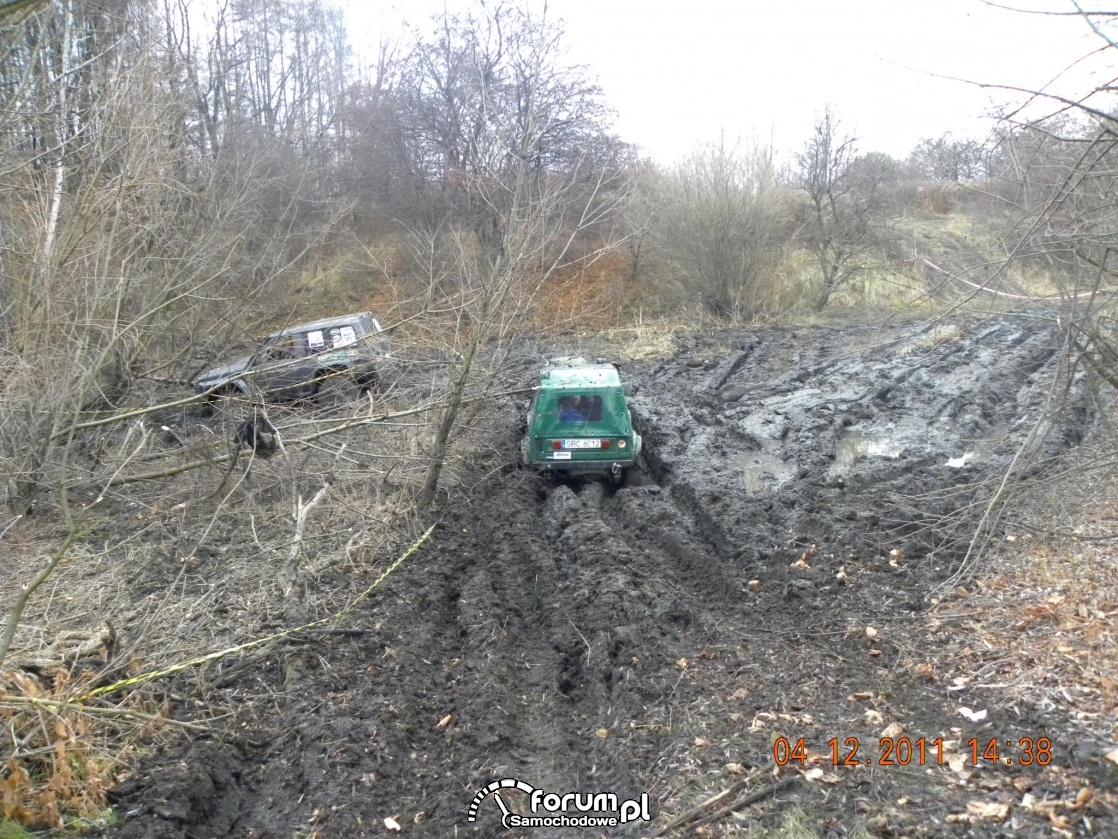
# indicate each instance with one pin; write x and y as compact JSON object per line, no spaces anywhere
{"x":697,"y":811}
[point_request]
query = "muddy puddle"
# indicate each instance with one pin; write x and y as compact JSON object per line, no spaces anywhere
{"x":979,"y":450}
{"x":763,"y":472}
{"x":854,"y":445}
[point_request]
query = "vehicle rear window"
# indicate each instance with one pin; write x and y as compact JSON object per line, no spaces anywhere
{"x":331,"y":339}
{"x":574,"y":408}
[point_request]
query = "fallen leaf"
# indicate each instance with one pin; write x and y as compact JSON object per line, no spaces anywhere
{"x":926,"y":672}
{"x":1083,"y":797}
{"x":861,"y":695}
{"x":832,"y":778}
{"x":990,"y":810}
{"x":958,"y":764}
{"x":699,"y":741}
{"x":739,"y":694}
{"x":1112,"y":756}
{"x":973,"y":716}
{"x":445,"y":721}
{"x":875,"y":653}
{"x":420,"y":817}
{"x":800,"y":563}
{"x":893,"y":730}
{"x":815,"y":774}
{"x":871,"y":633}
{"x":602,"y":733}
{"x":392,"y":824}
{"x":1059,"y":822}
{"x":841,"y":575}
{"x":873,"y":717}
{"x":734,"y":768}
{"x":754,"y":584}
{"x":682,"y":664}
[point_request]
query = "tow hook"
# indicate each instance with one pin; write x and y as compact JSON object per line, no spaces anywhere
{"x":615,"y":471}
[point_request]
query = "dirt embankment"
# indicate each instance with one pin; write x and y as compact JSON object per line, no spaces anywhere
{"x":804,"y":492}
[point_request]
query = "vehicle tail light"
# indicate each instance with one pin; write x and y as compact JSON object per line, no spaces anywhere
{"x":605,"y":444}
{"x":556,"y":444}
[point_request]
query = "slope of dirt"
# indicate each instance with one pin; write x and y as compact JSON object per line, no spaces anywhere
{"x":804,"y":493}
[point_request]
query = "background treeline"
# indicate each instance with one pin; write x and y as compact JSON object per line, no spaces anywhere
{"x":174,"y":177}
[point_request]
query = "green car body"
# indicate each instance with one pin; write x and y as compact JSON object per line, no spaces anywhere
{"x":579,"y":424}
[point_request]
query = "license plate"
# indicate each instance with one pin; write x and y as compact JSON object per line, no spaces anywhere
{"x":582,"y":444}
{"x":561,"y":456}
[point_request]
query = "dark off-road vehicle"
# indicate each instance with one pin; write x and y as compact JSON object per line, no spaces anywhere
{"x":300,"y":360}
{"x":578,"y":422}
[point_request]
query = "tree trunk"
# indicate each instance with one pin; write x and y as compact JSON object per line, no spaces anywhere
{"x":446,"y":424}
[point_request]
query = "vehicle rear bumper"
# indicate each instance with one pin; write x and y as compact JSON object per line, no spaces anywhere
{"x":583,"y":467}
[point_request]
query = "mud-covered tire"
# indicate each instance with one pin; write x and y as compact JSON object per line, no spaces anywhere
{"x":334,"y":387}
{"x":368,"y":381}
{"x":222,"y":402}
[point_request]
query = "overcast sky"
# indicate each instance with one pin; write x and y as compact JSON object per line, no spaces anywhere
{"x":684,"y":72}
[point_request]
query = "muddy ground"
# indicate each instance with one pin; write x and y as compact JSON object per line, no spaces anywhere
{"x":805,"y":493}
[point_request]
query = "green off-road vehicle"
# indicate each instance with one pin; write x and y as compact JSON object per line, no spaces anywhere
{"x":578,"y":423}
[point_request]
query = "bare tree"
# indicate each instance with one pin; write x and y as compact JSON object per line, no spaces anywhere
{"x":719,"y":218}
{"x":844,"y":207}
{"x":505,"y":122}
{"x":123,"y":245}
{"x":945,"y":158}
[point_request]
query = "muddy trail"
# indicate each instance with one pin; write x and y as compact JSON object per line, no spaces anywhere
{"x":804,"y":493}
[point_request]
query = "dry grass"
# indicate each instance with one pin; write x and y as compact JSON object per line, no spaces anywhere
{"x":589,"y":295}
{"x":645,"y":339}
{"x":1042,"y":630}
{"x":62,"y":758}
{"x":1037,"y":635}
{"x":181,"y":567}
{"x":1044,"y":617}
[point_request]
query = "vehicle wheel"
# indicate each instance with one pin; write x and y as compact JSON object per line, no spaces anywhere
{"x":222,"y":402}
{"x":333,"y":388}
{"x":633,"y":476}
{"x":368,"y":381}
